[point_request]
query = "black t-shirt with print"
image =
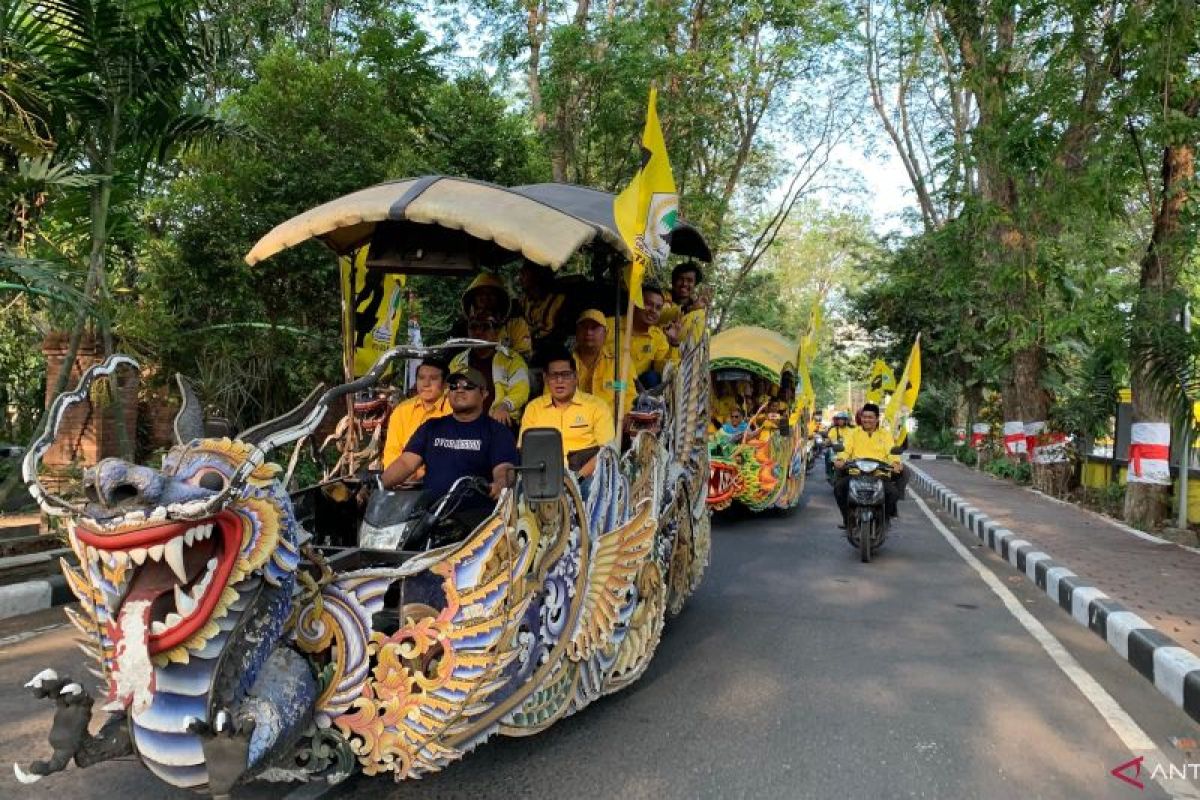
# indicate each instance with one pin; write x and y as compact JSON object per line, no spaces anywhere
{"x":453,"y":449}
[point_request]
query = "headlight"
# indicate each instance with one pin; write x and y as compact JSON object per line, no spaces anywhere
{"x":866,"y":491}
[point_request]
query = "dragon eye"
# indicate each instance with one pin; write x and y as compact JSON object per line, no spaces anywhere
{"x":211,"y":480}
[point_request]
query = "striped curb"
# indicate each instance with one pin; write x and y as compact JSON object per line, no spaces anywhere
{"x":929,"y":457}
{"x":30,"y":596}
{"x":1174,"y":670}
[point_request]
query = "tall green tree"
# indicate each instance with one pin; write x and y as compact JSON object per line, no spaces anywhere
{"x":1163,"y":112}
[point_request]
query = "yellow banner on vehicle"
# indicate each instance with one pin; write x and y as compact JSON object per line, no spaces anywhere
{"x":372,"y":312}
{"x":881,"y":381}
{"x":647,"y":210}
{"x":904,"y":399}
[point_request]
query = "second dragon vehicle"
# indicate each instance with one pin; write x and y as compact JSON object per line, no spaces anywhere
{"x":760,"y":463}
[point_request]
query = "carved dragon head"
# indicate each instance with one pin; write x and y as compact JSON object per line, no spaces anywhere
{"x":162,"y":552}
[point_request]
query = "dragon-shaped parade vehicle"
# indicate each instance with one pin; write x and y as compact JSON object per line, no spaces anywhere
{"x":763,"y":466}
{"x":242,"y":633}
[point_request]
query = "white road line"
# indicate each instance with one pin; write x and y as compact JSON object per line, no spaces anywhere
{"x":1129,"y":732}
{"x":23,"y":635}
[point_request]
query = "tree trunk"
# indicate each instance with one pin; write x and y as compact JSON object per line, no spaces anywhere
{"x":1148,"y":504}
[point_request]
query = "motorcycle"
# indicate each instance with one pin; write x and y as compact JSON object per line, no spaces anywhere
{"x":867,"y":525}
{"x":816,"y":446}
{"x":397,"y":519}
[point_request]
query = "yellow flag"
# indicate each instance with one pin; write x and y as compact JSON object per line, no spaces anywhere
{"x":904,"y":399}
{"x":806,"y":395}
{"x":371,"y":312}
{"x":881,"y":381}
{"x":647,"y":210}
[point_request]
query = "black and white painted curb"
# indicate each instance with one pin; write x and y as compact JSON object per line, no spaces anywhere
{"x":928,"y":457}
{"x":1174,"y":670}
{"x":30,"y":596}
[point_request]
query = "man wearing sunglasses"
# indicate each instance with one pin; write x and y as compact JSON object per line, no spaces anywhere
{"x":465,"y":443}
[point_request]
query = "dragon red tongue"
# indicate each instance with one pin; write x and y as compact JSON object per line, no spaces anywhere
{"x":132,"y":682}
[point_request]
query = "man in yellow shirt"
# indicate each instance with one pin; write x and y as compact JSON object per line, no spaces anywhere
{"x":868,"y":441}
{"x":585,"y":422}
{"x":840,"y":429}
{"x":429,"y":402}
{"x":649,"y":349}
{"x":595,"y":364}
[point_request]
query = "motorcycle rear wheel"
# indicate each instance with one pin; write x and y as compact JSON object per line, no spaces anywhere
{"x":864,"y":541}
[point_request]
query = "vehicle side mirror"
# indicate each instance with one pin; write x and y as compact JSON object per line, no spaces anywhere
{"x":838,"y":447}
{"x":897,"y":450}
{"x":542,"y":469}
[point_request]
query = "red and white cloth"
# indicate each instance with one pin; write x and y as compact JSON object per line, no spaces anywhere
{"x":1149,"y":453}
{"x":1046,"y":447}
{"x":1015,"y":443}
{"x":979,"y":433}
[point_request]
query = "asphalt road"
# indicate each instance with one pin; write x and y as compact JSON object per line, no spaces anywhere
{"x":796,"y":671}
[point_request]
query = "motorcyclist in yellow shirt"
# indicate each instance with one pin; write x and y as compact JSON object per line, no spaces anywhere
{"x":873,"y":442}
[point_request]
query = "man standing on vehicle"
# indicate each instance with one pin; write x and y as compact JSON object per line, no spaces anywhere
{"x":868,"y":441}
{"x":648,"y":347}
{"x":430,"y":401}
{"x":465,"y":443}
{"x":685,"y":282}
{"x":685,"y":298}
{"x":585,"y":422}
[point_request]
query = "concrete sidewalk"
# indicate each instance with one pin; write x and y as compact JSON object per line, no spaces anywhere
{"x":1134,"y":590}
{"x":1155,"y":578}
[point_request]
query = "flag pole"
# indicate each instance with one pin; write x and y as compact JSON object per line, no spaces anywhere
{"x":625,"y":356}
{"x":616,"y":275}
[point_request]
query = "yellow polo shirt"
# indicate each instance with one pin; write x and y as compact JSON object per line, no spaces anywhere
{"x":876,"y":445}
{"x":585,"y":421}
{"x":405,"y":420}
{"x":597,"y":379}
{"x":649,"y":349}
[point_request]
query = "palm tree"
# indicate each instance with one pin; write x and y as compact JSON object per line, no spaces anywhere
{"x":107,"y":87}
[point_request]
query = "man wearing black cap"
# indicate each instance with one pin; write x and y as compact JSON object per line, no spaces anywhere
{"x":465,"y":443}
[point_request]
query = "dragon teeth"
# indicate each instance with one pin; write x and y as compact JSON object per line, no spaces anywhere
{"x":174,"y":555}
{"x":158,"y":627}
{"x":185,"y":604}
{"x":156,"y":552}
{"x":138,"y":554}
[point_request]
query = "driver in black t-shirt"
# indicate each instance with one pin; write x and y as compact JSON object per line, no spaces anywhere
{"x":466,"y":443}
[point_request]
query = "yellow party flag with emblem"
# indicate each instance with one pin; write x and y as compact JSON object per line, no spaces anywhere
{"x":881,"y":381}
{"x":647,"y":210}
{"x":372,"y":312}
{"x":904,"y":399}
